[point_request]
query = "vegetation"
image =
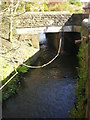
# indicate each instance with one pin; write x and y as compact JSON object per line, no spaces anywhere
{"x":75,"y":2}
{"x":80,"y":109}
{"x":73,"y":6}
{"x":22,"y":69}
{"x":12,"y":51}
{"x":59,"y":7}
{"x":76,"y":6}
{"x":13,"y":87}
{"x":21,"y":7}
{"x":13,"y":57}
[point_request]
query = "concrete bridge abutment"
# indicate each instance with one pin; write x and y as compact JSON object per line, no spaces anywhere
{"x":33,"y":39}
{"x":53,"y":39}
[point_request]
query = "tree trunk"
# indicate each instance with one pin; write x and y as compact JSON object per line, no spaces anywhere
{"x":11,"y":23}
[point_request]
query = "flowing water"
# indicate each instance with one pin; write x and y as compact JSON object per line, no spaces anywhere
{"x":47,"y":92}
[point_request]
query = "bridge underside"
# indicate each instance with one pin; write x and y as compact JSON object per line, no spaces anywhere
{"x":68,"y":41}
{"x":68,"y":34}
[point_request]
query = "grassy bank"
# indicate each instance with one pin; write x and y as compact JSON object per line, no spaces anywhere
{"x":81,"y":101}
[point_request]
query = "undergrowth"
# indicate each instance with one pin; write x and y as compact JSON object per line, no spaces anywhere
{"x":13,"y":86}
{"x":80,"y":108}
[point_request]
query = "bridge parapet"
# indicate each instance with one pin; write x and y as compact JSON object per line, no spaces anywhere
{"x":48,"y":19}
{"x":76,"y":19}
{"x":39,"y":19}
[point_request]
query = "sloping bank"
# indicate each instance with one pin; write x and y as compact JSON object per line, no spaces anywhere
{"x":12,"y":56}
{"x":81,"y":106}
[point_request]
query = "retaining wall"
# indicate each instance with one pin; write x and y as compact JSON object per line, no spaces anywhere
{"x":86,"y":37}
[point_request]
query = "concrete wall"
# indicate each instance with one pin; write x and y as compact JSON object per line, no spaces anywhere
{"x":68,"y":41}
{"x":53,"y":39}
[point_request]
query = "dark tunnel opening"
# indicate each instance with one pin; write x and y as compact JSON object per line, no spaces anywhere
{"x":68,"y":41}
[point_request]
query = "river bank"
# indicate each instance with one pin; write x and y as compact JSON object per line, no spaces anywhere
{"x":12,"y":55}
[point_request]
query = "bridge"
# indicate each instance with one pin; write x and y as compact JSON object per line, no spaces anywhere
{"x":31,"y":23}
{"x":34,"y":22}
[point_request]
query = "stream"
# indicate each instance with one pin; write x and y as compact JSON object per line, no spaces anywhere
{"x":46,"y":92}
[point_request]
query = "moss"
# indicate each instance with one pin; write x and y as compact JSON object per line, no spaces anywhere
{"x":11,"y":88}
{"x":80,"y":109}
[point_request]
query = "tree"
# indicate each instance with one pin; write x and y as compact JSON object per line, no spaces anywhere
{"x":75,"y":2}
{"x":11,"y":22}
{"x":12,"y":9}
{"x":9,"y":14}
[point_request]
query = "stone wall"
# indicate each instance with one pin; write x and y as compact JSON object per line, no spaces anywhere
{"x":86,"y":37}
{"x":37,"y":19}
{"x":40,"y":19}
